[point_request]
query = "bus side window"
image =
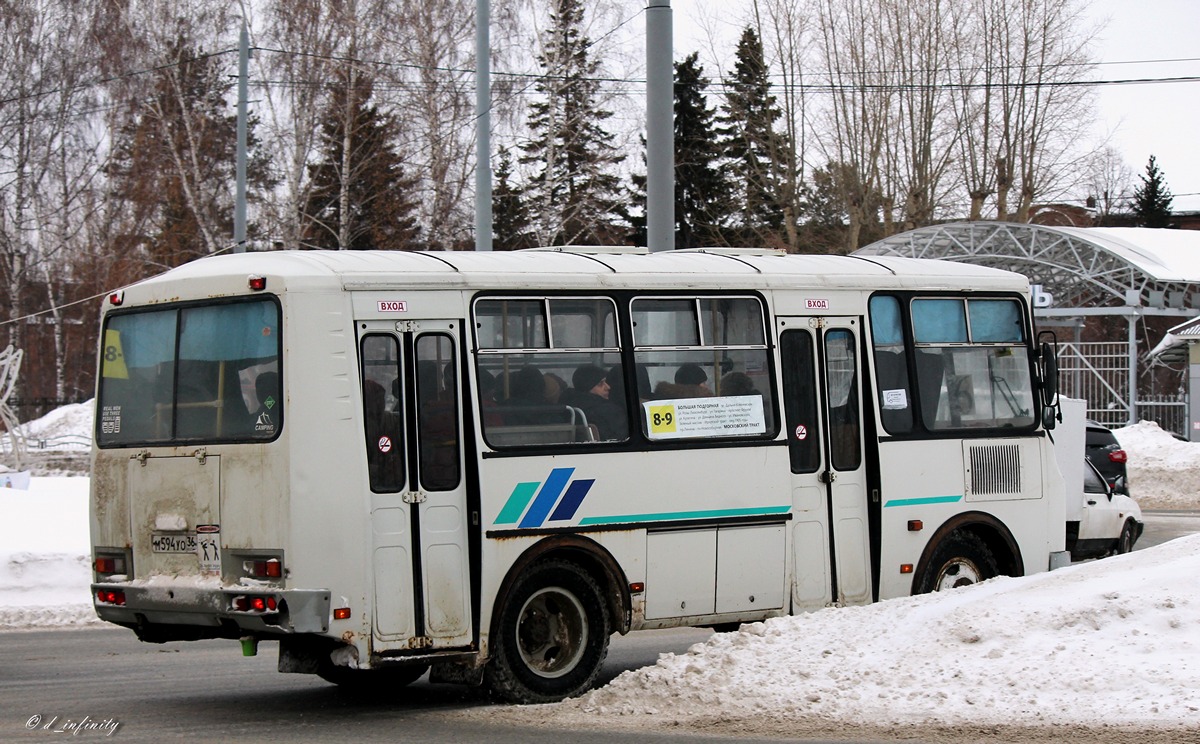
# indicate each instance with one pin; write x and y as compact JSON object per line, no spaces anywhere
{"x":384,"y":438}
{"x":891,"y":365}
{"x":437,"y":398}
{"x":800,"y":400}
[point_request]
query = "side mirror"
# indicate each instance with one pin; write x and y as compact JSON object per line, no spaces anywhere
{"x":1048,"y":358}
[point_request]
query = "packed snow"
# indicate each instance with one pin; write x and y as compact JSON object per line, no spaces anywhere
{"x":1108,"y":642}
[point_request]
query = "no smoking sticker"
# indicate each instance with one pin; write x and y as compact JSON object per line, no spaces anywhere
{"x":801,"y":431}
{"x":385,"y":444}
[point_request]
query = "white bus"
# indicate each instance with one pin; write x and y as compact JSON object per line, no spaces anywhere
{"x":487,"y":463}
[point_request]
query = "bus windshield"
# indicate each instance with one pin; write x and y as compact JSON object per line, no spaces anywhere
{"x":191,"y":374}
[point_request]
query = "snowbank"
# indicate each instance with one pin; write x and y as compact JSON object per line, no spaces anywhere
{"x":1111,"y":642}
{"x":44,"y":555}
{"x":1164,"y":472}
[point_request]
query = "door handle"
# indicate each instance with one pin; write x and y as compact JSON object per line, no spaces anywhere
{"x":828,"y":476}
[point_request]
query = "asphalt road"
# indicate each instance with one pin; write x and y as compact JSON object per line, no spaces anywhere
{"x":80,"y":683}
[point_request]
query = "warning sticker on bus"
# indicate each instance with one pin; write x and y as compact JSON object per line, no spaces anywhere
{"x":726,"y":416}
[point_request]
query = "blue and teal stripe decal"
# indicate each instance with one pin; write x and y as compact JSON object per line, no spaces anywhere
{"x":534,"y":504}
{"x":923,"y":501}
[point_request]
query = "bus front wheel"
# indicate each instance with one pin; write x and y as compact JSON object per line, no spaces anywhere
{"x":960,"y":559}
{"x":553,"y":636}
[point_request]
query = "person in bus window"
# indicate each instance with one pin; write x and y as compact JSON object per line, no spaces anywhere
{"x":590,"y":393}
{"x":737,"y":383}
{"x":526,"y":395}
{"x":691,"y":381}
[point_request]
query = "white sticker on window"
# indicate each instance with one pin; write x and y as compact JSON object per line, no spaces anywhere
{"x":735,"y":415}
{"x":894,"y":400}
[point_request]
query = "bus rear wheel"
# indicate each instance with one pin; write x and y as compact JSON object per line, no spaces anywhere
{"x":960,"y":559}
{"x":553,"y":636}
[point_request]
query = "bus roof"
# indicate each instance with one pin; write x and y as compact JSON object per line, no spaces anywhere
{"x":569,"y":268}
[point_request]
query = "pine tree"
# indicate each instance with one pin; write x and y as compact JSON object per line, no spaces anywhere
{"x":574,"y":197}
{"x":1152,"y":199}
{"x":701,"y":191}
{"x":173,"y":162}
{"x":510,"y":218}
{"x":380,"y":211}
{"x":753,"y":148}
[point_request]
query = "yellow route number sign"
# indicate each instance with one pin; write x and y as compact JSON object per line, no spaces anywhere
{"x":662,"y":419}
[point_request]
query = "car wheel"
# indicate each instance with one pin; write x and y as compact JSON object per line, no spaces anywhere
{"x":960,"y":559}
{"x":553,"y":636}
{"x":1126,"y":540}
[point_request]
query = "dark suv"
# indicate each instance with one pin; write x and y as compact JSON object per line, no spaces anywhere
{"x":1104,"y":451}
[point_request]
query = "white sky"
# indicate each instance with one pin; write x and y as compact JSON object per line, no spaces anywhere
{"x":1144,"y":119}
{"x":1108,"y":642}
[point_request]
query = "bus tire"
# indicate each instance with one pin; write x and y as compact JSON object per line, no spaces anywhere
{"x":552,"y":636}
{"x":383,"y":679}
{"x":960,"y":559}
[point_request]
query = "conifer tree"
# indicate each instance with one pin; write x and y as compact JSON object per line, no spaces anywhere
{"x":754,"y":150}
{"x":510,"y":218}
{"x":573,"y":196}
{"x":701,"y":191}
{"x":361,"y":197}
{"x":1152,"y":199}
{"x":173,"y":161}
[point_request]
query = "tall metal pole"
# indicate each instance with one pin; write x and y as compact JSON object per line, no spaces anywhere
{"x":239,"y":202}
{"x":660,"y":128}
{"x":483,"y":129}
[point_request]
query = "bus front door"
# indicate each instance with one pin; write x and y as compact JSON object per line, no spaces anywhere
{"x":419,"y":510}
{"x":822,"y":403}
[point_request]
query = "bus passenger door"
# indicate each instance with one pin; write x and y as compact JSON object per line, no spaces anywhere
{"x":822,"y":394}
{"x":441,"y":494}
{"x":413,"y":419}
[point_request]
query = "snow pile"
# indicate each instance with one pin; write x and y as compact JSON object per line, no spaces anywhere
{"x":66,"y":428}
{"x":1108,"y":642}
{"x":1164,"y":472}
{"x":44,"y":548}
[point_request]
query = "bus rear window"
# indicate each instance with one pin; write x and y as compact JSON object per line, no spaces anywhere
{"x":191,"y":374}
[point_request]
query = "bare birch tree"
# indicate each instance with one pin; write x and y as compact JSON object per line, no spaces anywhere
{"x":852,"y":48}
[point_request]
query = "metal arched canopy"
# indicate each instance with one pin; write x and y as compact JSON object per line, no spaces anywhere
{"x":1126,"y":270}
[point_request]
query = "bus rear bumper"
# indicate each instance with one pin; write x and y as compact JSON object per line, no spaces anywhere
{"x":167,"y":613}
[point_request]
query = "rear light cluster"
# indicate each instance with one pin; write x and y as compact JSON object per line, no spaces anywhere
{"x":110,"y":564}
{"x":1118,"y":456}
{"x":107,"y":596}
{"x":254,"y":603}
{"x":270,"y":568}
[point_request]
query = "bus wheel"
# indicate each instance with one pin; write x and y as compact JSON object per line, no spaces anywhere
{"x":960,"y":559}
{"x":553,"y":636}
{"x":383,"y":679}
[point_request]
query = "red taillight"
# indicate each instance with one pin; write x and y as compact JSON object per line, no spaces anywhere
{"x":117,"y":298}
{"x":106,"y":596}
{"x":106,"y":565}
{"x":257,"y":283}
{"x":341,"y":613}
{"x":270,"y":568}
{"x":254,"y":604}
{"x":1117,"y":456}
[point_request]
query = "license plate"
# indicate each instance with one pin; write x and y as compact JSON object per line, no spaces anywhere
{"x":175,"y":543}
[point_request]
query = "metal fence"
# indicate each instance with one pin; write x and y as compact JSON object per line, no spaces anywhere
{"x":1098,"y":372}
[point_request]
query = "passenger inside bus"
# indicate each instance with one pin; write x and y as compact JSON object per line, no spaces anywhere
{"x":590,"y":393}
{"x":691,"y":381}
